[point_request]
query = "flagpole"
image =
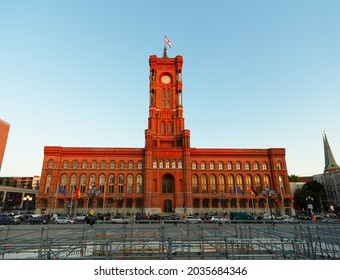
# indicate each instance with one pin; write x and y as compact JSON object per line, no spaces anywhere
{"x":55,"y":198}
{"x":104,"y":199}
{"x":72,"y":190}
{"x":236,"y":196}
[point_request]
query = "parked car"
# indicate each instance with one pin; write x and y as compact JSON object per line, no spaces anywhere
{"x":7,"y":220}
{"x":241,"y":216}
{"x":218,"y":219}
{"x":37,"y":220}
{"x":193,"y":220}
{"x":63,"y":220}
{"x":142,"y":219}
{"x":119,"y":220}
{"x":80,"y":218}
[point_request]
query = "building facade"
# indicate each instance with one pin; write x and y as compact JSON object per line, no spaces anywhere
{"x":167,"y":175}
{"x":330,"y":179}
{"x":4,"y":130}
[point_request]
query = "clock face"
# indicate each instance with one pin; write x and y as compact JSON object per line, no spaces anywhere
{"x":165,"y":79}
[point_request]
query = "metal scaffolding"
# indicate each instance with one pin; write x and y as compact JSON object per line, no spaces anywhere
{"x":158,"y":241}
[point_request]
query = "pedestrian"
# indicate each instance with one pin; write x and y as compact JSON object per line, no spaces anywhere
{"x":175,"y":223}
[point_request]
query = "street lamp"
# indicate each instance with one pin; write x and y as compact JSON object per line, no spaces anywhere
{"x":222,"y":198}
{"x":117,"y":199}
{"x":268,"y":193}
{"x":27,"y":198}
{"x":92,"y":192}
{"x":309,"y":201}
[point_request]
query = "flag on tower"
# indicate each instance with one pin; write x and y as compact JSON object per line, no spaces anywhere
{"x":167,"y":41}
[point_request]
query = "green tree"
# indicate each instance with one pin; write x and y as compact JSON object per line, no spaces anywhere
{"x":313,"y":189}
{"x":293,"y":178}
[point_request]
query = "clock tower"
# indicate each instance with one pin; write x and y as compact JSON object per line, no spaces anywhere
{"x":167,"y":142}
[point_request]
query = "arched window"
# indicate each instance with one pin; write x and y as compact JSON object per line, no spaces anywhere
{"x":73,"y":182}
{"x":220,"y":165}
{"x":212,"y":183}
{"x":103,"y":164}
{"x":204,"y":184}
{"x":120,"y":183}
{"x":111,"y":183}
{"x":121,"y":164}
{"x":202,"y":165}
{"x":64,"y":179}
{"x":221,"y":183}
{"x":212,"y":165}
{"x":282,"y":184}
{"x":257,"y":182}
{"x":264,"y":166}
{"x":84,"y":164}
{"x":50,"y":163}
{"x":93,"y":179}
{"x":163,"y":128}
{"x":66,"y":164}
{"x":168,"y":184}
{"x":154,"y":164}
{"x":163,"y":98}
{"x":112,"y":164}
{"x":231,"y":183}
{"x":102,"y":183}
{"x":179,"y":164}
{"x":173,"y":164}
{"x":75,"y":164}
{"x":248,"y":183}
{"x":140,"y":165}
{"x":194,"y":183}
{"x":256,"y":166}
{"x":279,"y":165}
{"x":83,"y":180}
{"x":160,"y":164}
{"x":266,"y":180}
{"x":194,"y":165}
{"x":238,"y":165}
{"x":48,"y":183}
{"x":139,"y":183}
{"x":94,"y":164}
{"x":229,"y":165}
{"x":239,"y":182}
{"x":247,"y":166}
{"x":170,"y":128}
{"x":129,"y":183}
{"x":130,"y":164}
{"x":167,"y":164}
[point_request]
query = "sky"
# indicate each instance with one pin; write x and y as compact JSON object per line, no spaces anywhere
{"x":256,"y":74}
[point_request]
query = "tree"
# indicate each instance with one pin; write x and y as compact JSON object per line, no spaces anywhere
{"x":293,"y":178}
{"x":312,"y":189}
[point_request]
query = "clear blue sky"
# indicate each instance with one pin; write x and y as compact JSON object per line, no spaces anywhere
{"x":256,"y":74}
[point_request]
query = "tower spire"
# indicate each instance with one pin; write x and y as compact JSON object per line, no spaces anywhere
{"x":330,"y":163}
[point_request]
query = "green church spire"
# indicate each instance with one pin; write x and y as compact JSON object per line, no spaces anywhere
{"x":330,"y":163}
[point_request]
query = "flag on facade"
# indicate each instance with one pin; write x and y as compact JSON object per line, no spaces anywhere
{"x":238,"y":190}
{"x":253,"y":192}
{"x":167,"y":41}
{"x":61,"y":190}
{"x":77,"y":191}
